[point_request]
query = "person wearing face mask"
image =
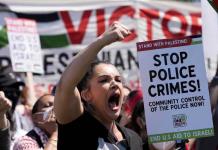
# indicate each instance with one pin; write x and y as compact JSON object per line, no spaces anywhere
{"x":88,"y":100}
{"x":44,"y":134}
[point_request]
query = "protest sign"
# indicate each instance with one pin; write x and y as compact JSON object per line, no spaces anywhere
{"x":175,"y":89}
{"x":24,"y":45}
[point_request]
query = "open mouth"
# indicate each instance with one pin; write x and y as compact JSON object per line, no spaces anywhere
{"x":114,"y":101}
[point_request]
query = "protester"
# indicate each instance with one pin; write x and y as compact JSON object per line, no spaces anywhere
{"x":44,"y":134}
{"x":99,"y":85}
{"x":132,"y":99}
{"x":126,"y":91}
{"x":22,"y":112}
{"x":211,"y":142}
{"x":137,"y":123}
{"x":11,"y":84}
{"x":5,"y":105}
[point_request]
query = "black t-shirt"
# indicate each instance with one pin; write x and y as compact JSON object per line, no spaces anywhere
{"x":86,"y":132}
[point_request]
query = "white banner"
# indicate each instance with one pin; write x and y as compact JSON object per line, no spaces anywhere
{"x":64,"y":33}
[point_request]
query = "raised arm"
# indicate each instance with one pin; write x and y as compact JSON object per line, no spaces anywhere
{"x":5,"y":105}
{"x":68,"y":105}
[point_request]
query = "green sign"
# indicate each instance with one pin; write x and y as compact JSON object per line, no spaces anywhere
{"x":181,"y":135}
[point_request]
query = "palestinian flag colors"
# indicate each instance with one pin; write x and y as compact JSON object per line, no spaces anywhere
{"x":64,"y":33}
{"x":49,"y":23}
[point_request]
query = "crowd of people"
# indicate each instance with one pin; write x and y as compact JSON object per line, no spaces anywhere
{"x":89,"y":108}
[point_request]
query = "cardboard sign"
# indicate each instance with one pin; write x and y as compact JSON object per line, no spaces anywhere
{"x":24,"y":44}
{"x":175,"y":89}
